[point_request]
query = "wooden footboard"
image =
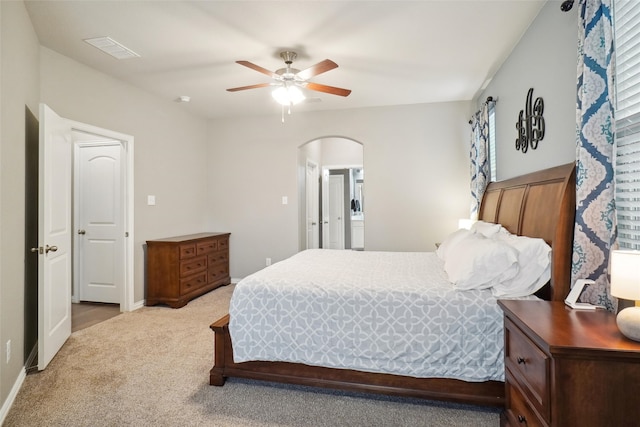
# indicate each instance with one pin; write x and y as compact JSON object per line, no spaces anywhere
{"x":489,"y":393}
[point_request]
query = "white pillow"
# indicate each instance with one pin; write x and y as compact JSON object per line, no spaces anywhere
{"x":487,"y":229}
{"x":452,"y":240}
{"x":534,"y":261}
{"x":479,"y":263}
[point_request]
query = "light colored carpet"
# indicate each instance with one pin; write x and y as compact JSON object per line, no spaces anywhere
{"x":151,"y":367}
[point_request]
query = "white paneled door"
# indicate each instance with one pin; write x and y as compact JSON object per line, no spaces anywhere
{"x":99,"y":220}
{"x":336,"y":212}
{"x":54,"y":235}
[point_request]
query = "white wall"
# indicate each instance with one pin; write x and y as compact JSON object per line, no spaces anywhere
{"x":341,"y":152}
{"x":416,"y":164}
{"x":169,"y":146}
{"x":545,"y":60}
{"x":19,"y":87}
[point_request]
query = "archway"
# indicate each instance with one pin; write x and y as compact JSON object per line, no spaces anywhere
{"x":318,"y":224}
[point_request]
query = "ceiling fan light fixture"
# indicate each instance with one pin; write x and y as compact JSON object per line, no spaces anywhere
{"x":288,"y":95}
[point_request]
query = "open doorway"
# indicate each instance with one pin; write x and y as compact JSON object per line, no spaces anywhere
{"x":98,"y":218}
{"x":331,"y":197}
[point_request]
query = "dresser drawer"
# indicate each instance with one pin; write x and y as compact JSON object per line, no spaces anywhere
{"x":218,"y":258}
{"x":192,"y":283}
{"x":519,"y":413}
{"x":207,"y":247}
{"x":223,"y":244}
{"x":218,"y":272}
{"x":529,"y":365}
{"x":193,"y":266}
{"x":187,"y":251}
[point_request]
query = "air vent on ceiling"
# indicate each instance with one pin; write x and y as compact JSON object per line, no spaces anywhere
{"x":112,"y":47}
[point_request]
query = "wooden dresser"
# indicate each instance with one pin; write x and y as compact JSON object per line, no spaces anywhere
{"x":568,"y":367}
{"x":184,"y":267}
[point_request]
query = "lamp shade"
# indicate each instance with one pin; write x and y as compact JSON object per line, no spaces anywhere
{"x":625,"y":274}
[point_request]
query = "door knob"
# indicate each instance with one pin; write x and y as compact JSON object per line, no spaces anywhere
{"x":82,"y":231}
{"x":36,"y":250}
{"x":48,"y":249}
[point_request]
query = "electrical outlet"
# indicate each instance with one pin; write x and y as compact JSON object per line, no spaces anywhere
{"x":8,"y":351}
{"x":268,"y":262}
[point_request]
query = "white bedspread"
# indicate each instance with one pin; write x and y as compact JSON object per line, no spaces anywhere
{"x":389,"y":312}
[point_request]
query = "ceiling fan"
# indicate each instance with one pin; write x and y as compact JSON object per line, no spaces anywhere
{"x":288,"y":80}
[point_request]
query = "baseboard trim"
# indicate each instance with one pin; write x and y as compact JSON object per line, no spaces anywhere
{"x":6,"y":406}
{"x":137,"y":305}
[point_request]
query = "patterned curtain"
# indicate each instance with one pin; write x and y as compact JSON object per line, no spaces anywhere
{"x":595,"y":229}
{"x":479,"y":161}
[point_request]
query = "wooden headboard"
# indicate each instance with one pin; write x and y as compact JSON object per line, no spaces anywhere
{"x":540,"y":204}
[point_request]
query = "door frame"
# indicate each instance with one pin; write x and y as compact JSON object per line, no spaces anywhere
{"x":126,"y":143}
{"x":326,"y":172}
{"x":332,"y":225}
{"x":322,"y":150}
{"x":312,"y":195}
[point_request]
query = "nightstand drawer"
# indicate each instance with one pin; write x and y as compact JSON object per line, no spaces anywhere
{"x":518,"y":412}
{"x":529,"y":365}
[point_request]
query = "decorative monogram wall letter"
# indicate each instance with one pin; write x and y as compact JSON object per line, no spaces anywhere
{"x":530,"y":124}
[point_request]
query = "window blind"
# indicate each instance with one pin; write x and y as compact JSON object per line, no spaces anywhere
{"x":626,"y":22}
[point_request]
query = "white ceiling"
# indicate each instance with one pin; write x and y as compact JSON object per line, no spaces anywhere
{"x":388,"y":52}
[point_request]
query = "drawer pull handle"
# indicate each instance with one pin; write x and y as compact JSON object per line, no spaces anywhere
{"x":521,"y":360}
{"x":522,"y":419}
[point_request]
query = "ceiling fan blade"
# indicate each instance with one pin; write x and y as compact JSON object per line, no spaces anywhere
{"x":328,"y":89}
{"x":235,"y":89}
{"x":319,"y":68}
{"x":258,"y":68}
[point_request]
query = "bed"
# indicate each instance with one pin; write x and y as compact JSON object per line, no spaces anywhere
{"x":539,"y":205}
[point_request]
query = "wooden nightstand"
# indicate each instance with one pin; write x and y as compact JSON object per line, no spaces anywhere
{"x":568,"y":367}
